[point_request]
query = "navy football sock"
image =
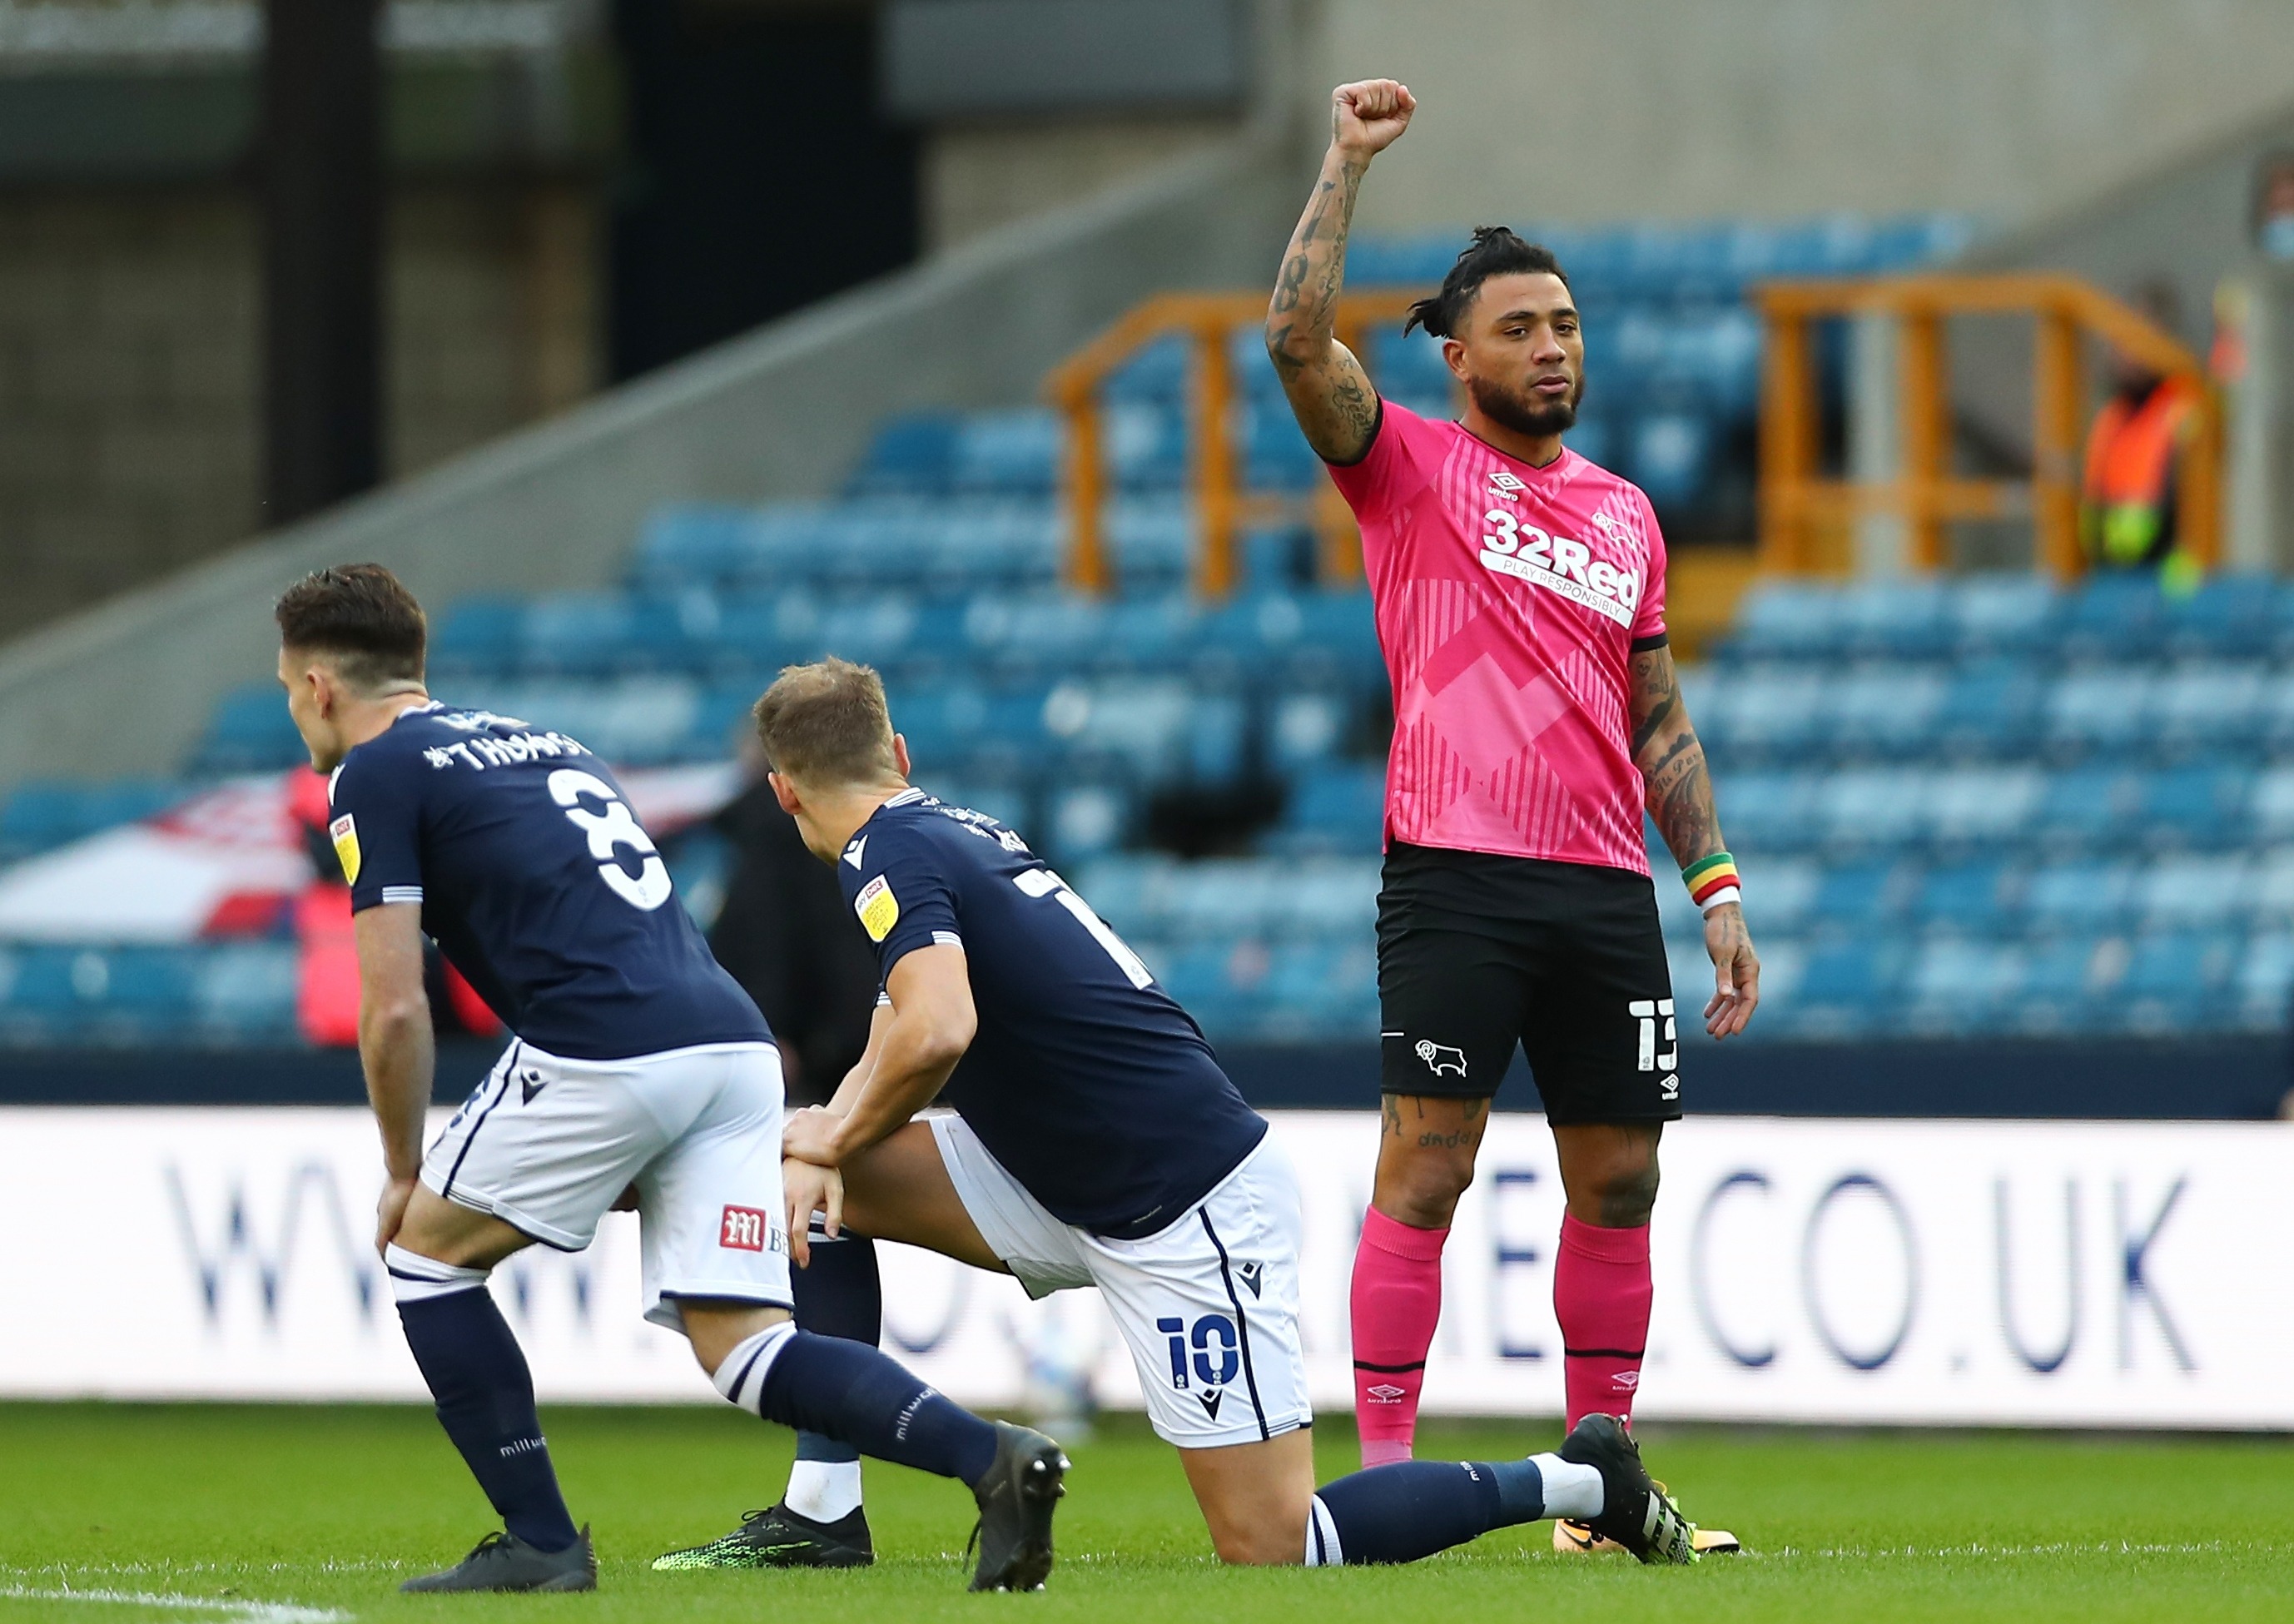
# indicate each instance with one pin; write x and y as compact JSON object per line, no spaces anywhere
{"x":1412,"y":1508}
{"x":477,"y":1373}
{"x":842,"y":1389}
{"x":838,"y":1293}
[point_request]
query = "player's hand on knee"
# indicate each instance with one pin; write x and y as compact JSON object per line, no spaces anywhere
{"x":1736,"y":972}
{"x":809,"y":1135}
{"x":390,"y":1211}
{"x":1367,"y":116}
{"x":809,"y":1188}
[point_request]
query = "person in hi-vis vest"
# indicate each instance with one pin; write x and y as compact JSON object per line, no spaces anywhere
{"x":2133,"y":452}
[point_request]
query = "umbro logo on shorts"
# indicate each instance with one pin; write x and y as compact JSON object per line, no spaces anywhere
{"x":745,"y":1229}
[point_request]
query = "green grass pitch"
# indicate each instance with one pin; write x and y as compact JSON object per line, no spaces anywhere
{"x":223,"y":1513}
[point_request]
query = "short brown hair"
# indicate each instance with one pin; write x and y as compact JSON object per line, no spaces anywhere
{"x":361,"y":615}
{"x":827,"y":724}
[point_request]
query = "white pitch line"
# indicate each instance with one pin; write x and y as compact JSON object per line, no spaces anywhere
{"x":240,"y":1612}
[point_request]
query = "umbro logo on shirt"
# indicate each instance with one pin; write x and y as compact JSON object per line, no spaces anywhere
{"x":1507,"y":487}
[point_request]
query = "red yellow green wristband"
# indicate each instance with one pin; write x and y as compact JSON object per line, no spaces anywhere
{"x":1712,"y":880}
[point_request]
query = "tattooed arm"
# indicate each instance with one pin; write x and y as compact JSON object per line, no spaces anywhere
{"x":1329,"y":394}
{"x":1679,"y":796}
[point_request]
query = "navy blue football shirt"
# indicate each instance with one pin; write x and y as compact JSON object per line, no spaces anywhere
{"x":537,"y":882}
{"x":1084,"y":1079}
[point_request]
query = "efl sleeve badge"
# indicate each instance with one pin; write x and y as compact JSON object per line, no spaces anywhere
{"x":345,"y":833}
{"x":878,"y":908}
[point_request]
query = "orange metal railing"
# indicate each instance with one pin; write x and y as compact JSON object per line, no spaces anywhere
{"x":1805,"y":518}
{"x":1224,"y":506}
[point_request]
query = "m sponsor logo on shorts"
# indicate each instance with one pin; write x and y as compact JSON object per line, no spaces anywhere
{"x":1561,"y":565}
{"x":1441,"y":1057}
{"x":745,"y":1229}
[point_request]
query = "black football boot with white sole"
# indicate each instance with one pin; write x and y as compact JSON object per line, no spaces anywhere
{"x":1016,"y":1499}
{"x":779,"y":1538}
{"x":1635,"y":1511}
{"x":504,"y":1561}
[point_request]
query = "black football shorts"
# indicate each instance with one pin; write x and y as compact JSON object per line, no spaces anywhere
{"x":1477,"y":954}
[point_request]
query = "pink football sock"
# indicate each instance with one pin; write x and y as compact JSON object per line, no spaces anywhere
{"x":1601,"y":1297}
{"x":1397,"y":1298}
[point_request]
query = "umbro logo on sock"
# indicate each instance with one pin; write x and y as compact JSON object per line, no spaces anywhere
{"x":1385,"y":1393}
{"x":1252,"y":1276}
{"x":1211,"y":1403}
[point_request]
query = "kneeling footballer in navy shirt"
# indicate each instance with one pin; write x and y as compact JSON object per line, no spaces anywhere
{"x":1094,"y":1141}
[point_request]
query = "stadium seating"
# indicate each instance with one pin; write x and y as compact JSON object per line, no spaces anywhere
{"x":1970,"y":806}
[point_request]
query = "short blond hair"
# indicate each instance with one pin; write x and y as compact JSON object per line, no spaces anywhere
{"x":827,"y":724}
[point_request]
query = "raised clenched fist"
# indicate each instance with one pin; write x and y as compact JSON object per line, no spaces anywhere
{"x":1367,"y":116}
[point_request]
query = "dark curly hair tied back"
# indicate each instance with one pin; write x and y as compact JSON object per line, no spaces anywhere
{"x":1495,"y":251}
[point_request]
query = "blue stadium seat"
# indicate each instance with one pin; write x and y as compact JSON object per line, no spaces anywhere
{"x":1859,"y":809}
{"x":691,"y":544}
{"x":1884,"y":709}
{"x":1859,"y":895}
{"x":2262,"y":981}
{"x":1895,"y":617}
{"x":2100,"y":708}
{"x":2117,"y":617}
{"x":2081,"y":897}
{"x":1007,"y":452}
{"x":1338,"y":808}
{"x":2195,"y":892}
{"x":1767,"y":812}
{"x":1969,"y":897}
{"x":1158,"y":372}
{"x":2013,"y":614}
{"x":479,"y":634}
{"x":1990,"y":708}
{"x":2229,"y":617}
{"x":2059,"y":992}
{"x":251,"y":732}
{"x":2270,"y":809}
{"x":1787,"y":889}
{"x":1672,"y":456}
{"x":915,"y":455}
{"x":1782,"y":619}
{"x":2194,"y":806}
{"x":1983,"y":806}
{"x":1146,"y":445}
{"x":1959,"y":985}
{"x":245,"y":992}
{"x":1772,"y":711}
{"x":2205,"y":705}
{"x":2171,"y":980}
{"x":1846,"y":987}
{"x":2091,"y":806}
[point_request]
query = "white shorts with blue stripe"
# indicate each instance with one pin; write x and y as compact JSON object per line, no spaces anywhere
{"x":546,"y":1145}
{"x":1209,"y":1306}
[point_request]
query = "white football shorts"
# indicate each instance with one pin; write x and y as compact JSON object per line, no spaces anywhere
{"x":1209,"y":1306}
{"x":547,"y":1144}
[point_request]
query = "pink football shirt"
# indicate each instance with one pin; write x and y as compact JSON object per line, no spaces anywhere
{"x":1509,"y":600}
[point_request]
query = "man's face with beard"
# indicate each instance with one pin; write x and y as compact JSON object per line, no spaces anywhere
{"x":1519,"y":353}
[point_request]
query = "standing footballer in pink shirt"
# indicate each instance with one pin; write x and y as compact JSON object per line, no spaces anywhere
{"x":1519,"y":592}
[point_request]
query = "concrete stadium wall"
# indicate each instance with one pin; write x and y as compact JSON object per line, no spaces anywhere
{"x":124,"y":688}
{"x":1556,"y":109}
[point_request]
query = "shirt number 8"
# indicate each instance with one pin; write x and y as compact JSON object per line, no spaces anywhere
{"x":610,"y":832}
